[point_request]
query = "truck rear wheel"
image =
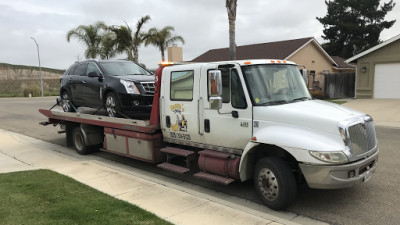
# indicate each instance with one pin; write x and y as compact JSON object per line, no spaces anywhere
{"x":79,"y":142}
{"x":275,"y":183}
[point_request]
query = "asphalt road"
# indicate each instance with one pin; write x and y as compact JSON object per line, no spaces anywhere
{"x":374,"y":202}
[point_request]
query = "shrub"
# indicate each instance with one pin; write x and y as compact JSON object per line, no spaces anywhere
{"x":319,"y":94}
{"x":32,"y":89}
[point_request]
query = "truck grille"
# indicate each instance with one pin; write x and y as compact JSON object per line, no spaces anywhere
{"x":362,"y":137}
{"x":148,"y":87}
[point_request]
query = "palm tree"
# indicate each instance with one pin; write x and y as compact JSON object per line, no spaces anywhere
{"x":231,"y":8}
{"x":129,"y":42}
{"x":107,"y":47}
{"x":89,"y":35}
{"x":162,"y":39}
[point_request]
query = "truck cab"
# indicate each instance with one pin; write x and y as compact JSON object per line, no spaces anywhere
{"x":261,"y":112}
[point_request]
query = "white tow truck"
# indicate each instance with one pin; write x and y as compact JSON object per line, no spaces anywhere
{"x":235,"y":121}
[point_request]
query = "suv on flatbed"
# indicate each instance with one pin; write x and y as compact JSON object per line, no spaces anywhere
{"x":122,"y":87}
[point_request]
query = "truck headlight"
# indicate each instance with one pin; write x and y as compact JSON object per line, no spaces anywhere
{"x":330,"y":157}
{"x":130,"y":87}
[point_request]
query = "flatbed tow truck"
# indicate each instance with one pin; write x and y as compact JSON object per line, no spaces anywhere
{"x":235,"y":121}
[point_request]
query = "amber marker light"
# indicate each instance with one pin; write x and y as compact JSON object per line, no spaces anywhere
{"x":214,"y":87}
{"x":247,"y":63}
{"x":166,"y":63}
{"x":272,"y":61}
{"x":254,"y":138}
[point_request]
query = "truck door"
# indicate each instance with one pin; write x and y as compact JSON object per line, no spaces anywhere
{"x":230,"y":126}
{"x":179,"y":104}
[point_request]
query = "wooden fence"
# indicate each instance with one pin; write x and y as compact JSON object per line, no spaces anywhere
{"x":340,"y":85}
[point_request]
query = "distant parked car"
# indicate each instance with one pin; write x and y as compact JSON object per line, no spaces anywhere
{"x":122,"y":87}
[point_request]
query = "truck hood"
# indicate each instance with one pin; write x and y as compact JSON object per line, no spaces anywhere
{"x":313,"y":114}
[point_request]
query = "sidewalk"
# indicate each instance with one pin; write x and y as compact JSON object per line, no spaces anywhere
{"x":172,"y":200}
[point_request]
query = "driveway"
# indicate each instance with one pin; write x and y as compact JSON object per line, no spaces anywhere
{"x":386,"y":112}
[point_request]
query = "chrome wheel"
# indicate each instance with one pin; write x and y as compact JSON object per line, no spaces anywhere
{"x":268,"y":184}
{"x":65,"y":102}
{"x":111,"y":106}
{"x":274,"y":182}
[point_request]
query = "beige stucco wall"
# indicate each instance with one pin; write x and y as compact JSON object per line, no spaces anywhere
{"x":175,"y":54}
{"x":313,"y":58}
{"x":365,"y":81}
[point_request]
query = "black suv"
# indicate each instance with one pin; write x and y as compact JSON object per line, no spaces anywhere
{"x":122,"y":87}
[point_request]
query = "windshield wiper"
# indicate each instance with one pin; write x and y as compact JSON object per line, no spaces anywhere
{"x":279,"y":102}
{"x":299,"y":99}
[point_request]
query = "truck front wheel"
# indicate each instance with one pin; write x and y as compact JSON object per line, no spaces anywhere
{"x":275,"y":183}
{"x":79,"y":142}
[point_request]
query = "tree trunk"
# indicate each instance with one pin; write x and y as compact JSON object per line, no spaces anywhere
{"x":130,"y":55}
{"x":231,"y":8}
{"x":135,"y":55}
{"x":162,"y":54}
{"x":232,"y":41}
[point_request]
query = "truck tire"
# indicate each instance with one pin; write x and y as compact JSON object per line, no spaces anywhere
{"x":275,"y":183}
{"x":79,"y":142}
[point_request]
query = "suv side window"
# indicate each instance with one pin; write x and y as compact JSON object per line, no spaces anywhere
{"x":80,"y":69}
{"x":92,"y":68}
{"x":71,"y":70}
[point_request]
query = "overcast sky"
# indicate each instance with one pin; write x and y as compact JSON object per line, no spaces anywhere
{"x":202,"y":23}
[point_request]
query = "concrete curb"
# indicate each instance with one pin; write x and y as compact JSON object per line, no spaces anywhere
{"x":173,"y":200}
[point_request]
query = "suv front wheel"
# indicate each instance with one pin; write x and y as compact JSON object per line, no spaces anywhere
{"x":112,"y":105}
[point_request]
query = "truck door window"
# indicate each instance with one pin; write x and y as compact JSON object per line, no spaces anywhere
{"x":226,"y":89}
{"x":238,"y":97}
{"x":182,"y":86}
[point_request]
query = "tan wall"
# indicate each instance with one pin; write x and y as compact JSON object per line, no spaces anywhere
{"x":365,"y":81}
{"x":313,"y":59}
{"x":175,"y":54}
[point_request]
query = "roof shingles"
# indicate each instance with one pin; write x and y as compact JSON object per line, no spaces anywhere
{"x":271,"y":50}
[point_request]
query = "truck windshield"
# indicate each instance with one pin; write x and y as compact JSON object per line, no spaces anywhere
{"x":275,"y":84}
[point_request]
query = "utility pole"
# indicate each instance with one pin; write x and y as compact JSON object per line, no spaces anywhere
{"x":40,"y":68}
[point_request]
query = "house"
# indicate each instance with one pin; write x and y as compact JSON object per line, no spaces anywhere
{"x":343,"y":67}
{"x":306,"y":52}
{"x":378,"y":70}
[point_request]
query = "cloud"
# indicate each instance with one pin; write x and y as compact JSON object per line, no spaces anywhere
{"x":203,"y":24}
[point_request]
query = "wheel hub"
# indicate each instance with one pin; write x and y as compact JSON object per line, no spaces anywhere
{"x":110,"y":106}
{"x":268,"y":184}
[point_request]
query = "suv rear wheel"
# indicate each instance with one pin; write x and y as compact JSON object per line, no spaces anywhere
{"x":66,"y":102}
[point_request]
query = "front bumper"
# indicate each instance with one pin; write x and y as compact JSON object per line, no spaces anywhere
{"x":128,"y":106}
{"x":340,"y":176}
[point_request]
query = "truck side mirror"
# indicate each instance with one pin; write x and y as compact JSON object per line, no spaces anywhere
{"x":215,"y":89}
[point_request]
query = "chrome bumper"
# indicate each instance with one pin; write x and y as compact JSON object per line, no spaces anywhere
{"x":340,"y":176}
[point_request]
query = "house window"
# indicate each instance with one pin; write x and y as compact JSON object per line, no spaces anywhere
{"x":182,"y":86}
{"x":312,"y":73}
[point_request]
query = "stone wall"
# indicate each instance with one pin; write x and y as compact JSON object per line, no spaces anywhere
{"x":12,"y":72}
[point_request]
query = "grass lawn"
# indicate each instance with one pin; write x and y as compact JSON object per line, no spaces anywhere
{"x":46,"y":197}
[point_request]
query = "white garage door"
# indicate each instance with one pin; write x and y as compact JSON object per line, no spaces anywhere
{"x":387,"y":80}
